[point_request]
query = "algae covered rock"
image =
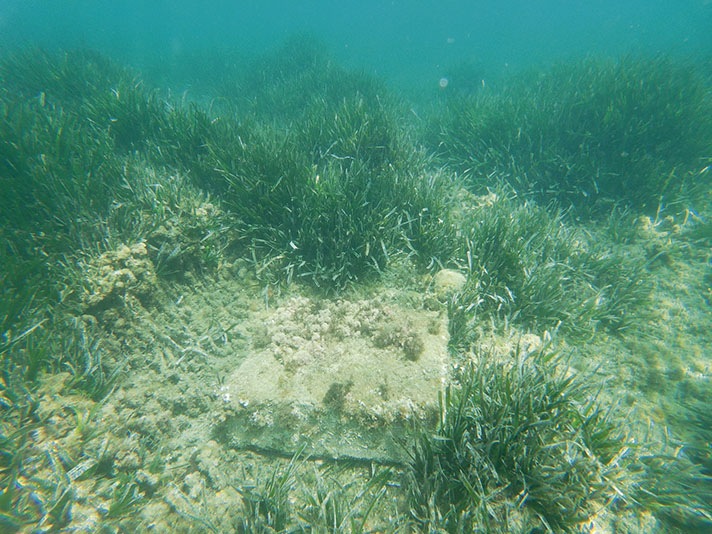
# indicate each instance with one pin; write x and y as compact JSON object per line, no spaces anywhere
{"x":117,"y":274}
{"x":446,"y":282}
{"x":343,"y":378}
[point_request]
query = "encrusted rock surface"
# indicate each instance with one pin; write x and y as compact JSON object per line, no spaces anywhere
{"x":332,"y":375}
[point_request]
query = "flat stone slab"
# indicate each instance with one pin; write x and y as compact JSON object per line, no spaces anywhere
{"x":343,"y":379}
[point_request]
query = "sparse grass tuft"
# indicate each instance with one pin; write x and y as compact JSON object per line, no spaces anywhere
{"x":279,"y":504}
{"x":125,"y":498}
{"x":26,"y":476}
{"x":332,"y":507}
{"x":266,"y":507}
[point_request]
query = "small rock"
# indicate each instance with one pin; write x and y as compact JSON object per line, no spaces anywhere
{"x":446,"y":282}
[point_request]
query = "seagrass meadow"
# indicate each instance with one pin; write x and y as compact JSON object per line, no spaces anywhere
{"x":269,"y":292}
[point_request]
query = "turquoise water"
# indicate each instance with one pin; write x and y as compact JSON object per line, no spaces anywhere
{"x":413,"y":40}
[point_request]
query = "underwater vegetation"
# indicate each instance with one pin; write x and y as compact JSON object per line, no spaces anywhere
{"x":631,"y":130}
{"x":314,"y":175}
{"x":530,"y":264}
{"x":522,"y":427}
{"x":332,"y":211}
{"x":283,"y":84}
{"x":701,"y":448}
{"x":527,"y":427}
{"x":278,"y":503}
{"x":331,"y":194}
{"x":63,"y":79}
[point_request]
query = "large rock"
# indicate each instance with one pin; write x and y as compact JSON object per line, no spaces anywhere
{"x":341,"y":378}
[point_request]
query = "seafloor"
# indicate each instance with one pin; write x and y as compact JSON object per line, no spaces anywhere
{"x":223,"y":380}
